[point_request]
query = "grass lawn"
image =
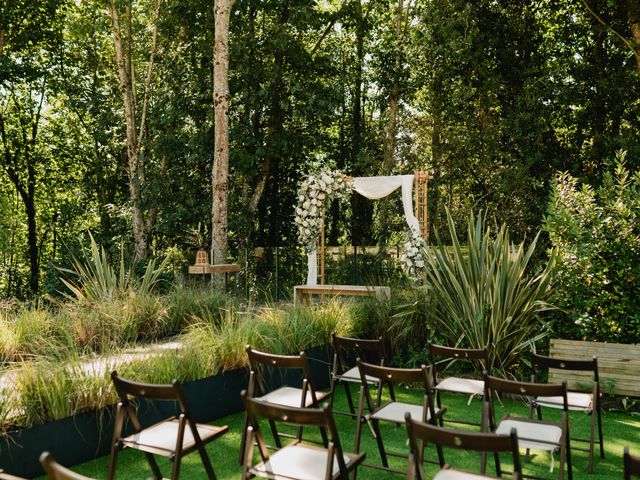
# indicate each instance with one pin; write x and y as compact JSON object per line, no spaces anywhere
{"x":619,"y":430}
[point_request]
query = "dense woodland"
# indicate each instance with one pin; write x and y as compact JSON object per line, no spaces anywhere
{"x":493,"y":97}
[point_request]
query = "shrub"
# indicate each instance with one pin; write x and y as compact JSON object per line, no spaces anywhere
{"x":596,"y":235}
{"x":484,"y":295}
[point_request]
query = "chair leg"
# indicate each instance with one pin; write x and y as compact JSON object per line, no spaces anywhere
{"x":383,"y":454}
{"x":207,"y":463}
{"x":440,"y":455}
{"x":243,"y":438}
{"x":347,"y":391}
{"x":359,"y":420}
{"x":527,"y":454}
{"x":600,"y":437}
{"x":568,"y":455}
{"x":115,"y":444}
{"x":175,"y":472}
{"x":592,"y":441}
{"x":498,"y":467}
{"x":274,"y":432}
{"x":563,"y":451}
{"x":112,"y":461}
{"x":392,"y":392}
{"x":151,"y":460}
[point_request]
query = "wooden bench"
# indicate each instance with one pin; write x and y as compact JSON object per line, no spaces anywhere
{"x":618,"y":365}
{"x":302,"y":293}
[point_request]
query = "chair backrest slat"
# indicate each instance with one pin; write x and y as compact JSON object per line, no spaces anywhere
{"x":394,"y":375}
{"x":425,"y":433}
{"x":262,"y":362}
{"x":528,"y":389}
{"x":565,"y":364}
{"x":168,"y":392}
{"x":461,"y":353}
{"x":272,"y":360}
{"x":289,"y":415}
{"x":461,"y":440}
{"x":359,"y":344}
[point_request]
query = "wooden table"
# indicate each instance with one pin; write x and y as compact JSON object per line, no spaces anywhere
{"x":302,"y":293}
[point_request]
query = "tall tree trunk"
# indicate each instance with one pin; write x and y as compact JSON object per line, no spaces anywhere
{"x":360,"y":206}
{"x":25,"y":182}
{"x":634,"y":22}
{"x":135,"y":129}
{"x":436,"y":151}
{"x":220,"y":171}
{"x":388,"y":159}
{"x":269,"y":223}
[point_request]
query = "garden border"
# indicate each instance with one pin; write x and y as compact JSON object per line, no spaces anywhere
{"x":87,"y":435}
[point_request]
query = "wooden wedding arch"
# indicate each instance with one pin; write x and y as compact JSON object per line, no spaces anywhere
{"x":301,"y":293}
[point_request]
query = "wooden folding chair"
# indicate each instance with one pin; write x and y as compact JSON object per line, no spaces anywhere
{"x":631,"y":465}
{"x":54,"y":470}
{"x":588,"y":402}
{"x":532,"y":434}
{"x":441,"y":357}
{"x":391,"y":411}
{"x":172,"y":438}
{"x":345,"y":371}
{"x":421,"y":433}
{"x":260,"y":386}
{"x":297,"y":460}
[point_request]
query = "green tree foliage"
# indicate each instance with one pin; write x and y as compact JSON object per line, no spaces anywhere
{"x":596,"y":236}
{"x":492,"y":97}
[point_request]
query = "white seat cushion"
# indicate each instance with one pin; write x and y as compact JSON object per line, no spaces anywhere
{"x":394,"y":412}
{"x":449,"y":474}
{"x":163,"y":436}
{"x":298,"y":461}
{"x":576,"y":400}
{"x":353,"y":375}
{"x":533,"y":435}
{"x":290,"y":397}
{"x":461,"y":385}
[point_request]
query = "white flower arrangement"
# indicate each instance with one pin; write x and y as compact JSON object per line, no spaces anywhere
{"x":315,"y":191}
{"x":412,"y":254}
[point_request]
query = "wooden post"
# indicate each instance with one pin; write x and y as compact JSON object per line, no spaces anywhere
{"x":421,"y":190}
{"x":322,"y":249}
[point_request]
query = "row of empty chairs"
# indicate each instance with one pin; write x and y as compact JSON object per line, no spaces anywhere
{"x":534,"y":434}
{"x":295,"y":401}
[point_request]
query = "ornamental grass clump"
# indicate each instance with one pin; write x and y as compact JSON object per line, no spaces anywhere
{"x":487,"y":294}
{"x":191,"y":305}
{"x":30,"y":331}
{"x":94,"y":279}
{"x":220,"y":346}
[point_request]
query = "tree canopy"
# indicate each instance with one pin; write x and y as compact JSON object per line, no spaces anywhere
{"x":493,"y":97}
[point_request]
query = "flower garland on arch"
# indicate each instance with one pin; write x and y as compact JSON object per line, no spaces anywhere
{"x":318,"y":189}
{"x":412,"y":256}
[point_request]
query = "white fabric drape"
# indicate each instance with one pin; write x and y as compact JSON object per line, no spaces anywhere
{"x":312,"y":268}
{"x":375,"y":188}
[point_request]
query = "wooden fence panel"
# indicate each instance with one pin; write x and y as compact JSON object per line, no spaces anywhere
{"x":619,"y":365}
